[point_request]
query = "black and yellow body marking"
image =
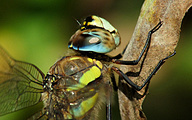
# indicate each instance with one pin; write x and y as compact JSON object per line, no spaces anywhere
{"x":77,"y":87}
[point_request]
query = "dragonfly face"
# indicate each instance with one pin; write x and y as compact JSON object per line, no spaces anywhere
{"x":71,"y":90}
{"x":95,"y":34}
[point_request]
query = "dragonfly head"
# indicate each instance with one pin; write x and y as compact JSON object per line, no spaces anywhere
{"x":96,"y":35}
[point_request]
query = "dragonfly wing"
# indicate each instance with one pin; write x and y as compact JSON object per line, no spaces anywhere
{"x":20,"y":84}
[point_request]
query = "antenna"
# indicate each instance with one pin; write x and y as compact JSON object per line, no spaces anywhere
{"x":77,"y":21}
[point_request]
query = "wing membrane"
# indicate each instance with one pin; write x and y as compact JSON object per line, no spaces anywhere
{"x":20,"y":84}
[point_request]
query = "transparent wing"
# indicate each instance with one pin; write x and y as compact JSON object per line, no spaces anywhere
{"x":20,"y":84}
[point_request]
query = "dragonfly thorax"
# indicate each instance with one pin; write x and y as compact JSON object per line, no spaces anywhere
{"x":73,"y":85}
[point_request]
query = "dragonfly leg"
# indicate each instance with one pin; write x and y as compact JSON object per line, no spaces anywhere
{"x":108,"y":111}
{"x":147,"y":43}
{"x":136,"y":87}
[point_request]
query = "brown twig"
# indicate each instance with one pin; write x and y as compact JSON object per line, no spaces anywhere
{"x":163,"y":43}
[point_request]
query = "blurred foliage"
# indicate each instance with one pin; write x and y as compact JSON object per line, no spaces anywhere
{"x":37,"y":32}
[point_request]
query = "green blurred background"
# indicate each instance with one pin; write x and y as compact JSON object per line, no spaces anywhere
{"x":37,"y":31}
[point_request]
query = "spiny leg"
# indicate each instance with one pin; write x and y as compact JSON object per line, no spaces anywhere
{"x":109,"y":96}
{"x":146,"y":47}
{"x":136,"y":87}
{"x":147,"y":43}
{"x":108,"y":111}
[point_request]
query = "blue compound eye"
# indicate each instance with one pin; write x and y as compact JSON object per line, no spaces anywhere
{"x":96,"y":34}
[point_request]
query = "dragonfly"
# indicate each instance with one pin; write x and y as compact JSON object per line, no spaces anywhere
{"x":77,"y":85}
{"x":70,"y":90}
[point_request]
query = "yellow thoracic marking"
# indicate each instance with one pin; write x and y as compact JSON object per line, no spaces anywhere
{"x":90,"y":60}
{"x":99,"y":64}
{"x":90,"y":75}
{"x":74,"y":58}
{"x":85,"y":106}
{"x":75,"y":87}
{"x":93,"y":73}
